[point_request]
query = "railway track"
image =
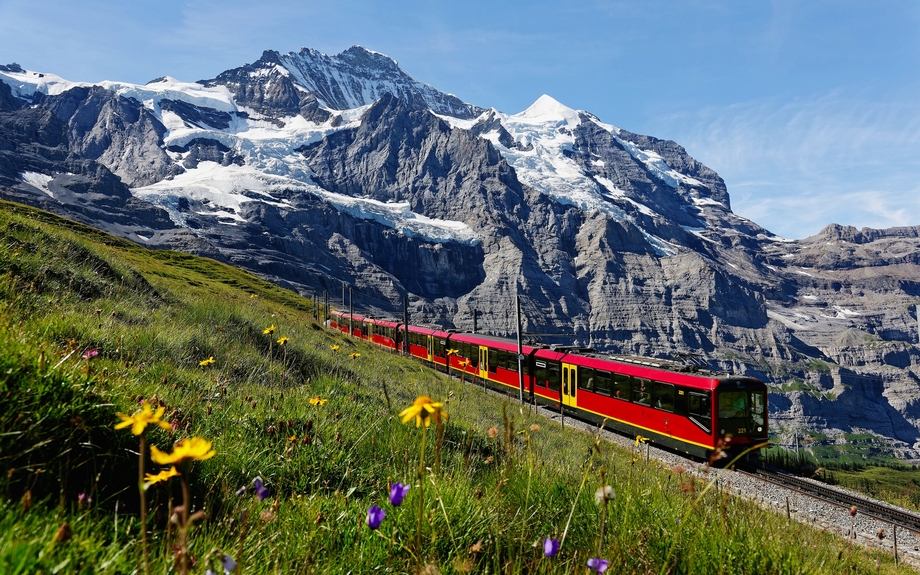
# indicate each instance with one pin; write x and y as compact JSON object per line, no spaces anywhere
{"x":881,"y":511}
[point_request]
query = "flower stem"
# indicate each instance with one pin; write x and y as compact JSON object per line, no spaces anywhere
{"x":183,"y":529}
{"x":420,"y":474}
{"x":143,"y":495}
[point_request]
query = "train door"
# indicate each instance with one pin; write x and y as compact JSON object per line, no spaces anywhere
{"x":430,"y":348}
{"x":483,"y":362}
{"x":569,"y":384}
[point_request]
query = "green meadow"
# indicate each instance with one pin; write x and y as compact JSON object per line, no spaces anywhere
{"x":277,"y":443}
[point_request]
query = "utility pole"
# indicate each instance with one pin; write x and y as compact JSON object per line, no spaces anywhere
{"x":520,"y":346}
{"x":406,"y":325}
{"x":351,"y":313}
{"x":325,"y":306}
{"x":475,"y":322}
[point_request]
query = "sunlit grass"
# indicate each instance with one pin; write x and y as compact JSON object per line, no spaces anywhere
{"x":316,"y":420}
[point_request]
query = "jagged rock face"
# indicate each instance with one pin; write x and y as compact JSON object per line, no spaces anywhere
{"x":374,"y":180}
{"x":117,"y":132}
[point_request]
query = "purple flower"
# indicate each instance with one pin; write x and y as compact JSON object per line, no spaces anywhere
{"x":398,"y":493}
{"x":90,"y":353}
{"x":550,"y":547}
{"x":598,"y":565}
{"x":375,"y":516}
{"x":228,"y":563}
{"x":260,"y":488}
{"x":241,"y":490}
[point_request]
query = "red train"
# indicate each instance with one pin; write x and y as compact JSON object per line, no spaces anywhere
{"x":695,"y":412}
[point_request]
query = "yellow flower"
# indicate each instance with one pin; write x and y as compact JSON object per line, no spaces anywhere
{"x":191,"y":449}
{"x":252,"y":296}
{"x":424,"y":409}
{"x":269,"y":330}
{"x":453,"y":351}
{"x":205,"y":362}
{"x":293,"y":437}
{"x":355,"y":355}
{"x":151,"y":479}
{"x":640,"y":439}
{"x":139,"y":420}
{"x":318,"y":401}
{"x":282,"y":340}
{"x":334,"y":348}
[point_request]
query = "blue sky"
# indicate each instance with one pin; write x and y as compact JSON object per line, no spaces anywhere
{"x":809,"y":110}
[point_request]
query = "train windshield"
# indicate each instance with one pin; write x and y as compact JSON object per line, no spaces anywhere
{"x":747,"y":405}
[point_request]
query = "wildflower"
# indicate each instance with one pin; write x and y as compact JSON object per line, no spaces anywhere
{"x":355,"y":355}
{"x":228,"y":564}
{"x":151,"y":479}
{"x":598,"y":565}
{"x":604,"y":494}
{"x":534,"y":427}
{"x":550,"y":547}
{"x":241,"y":490}
{"x":398,"y":492}
{"x":90,"y":353}
{"x":269,"y":330}
{"x":334,"y":348}
{"x":187,"y":450}
{"x":375,"y":516}
{"x":293,"y":437}
{"x":139,"y":420}
{"x":252,"y":296}
{"x":205,"y":362}
{"x":453,"y":351}
{"x":283,"y":340}
{"x":260,"y":488}
{"x":424,"y":409}
{"x":493,"y":432}
{"x":318,"y":401}
{"x":640,"y":439}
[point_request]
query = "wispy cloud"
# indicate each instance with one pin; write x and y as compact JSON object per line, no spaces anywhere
{"x":796,"y":166}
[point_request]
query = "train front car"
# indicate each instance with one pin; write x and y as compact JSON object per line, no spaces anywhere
{"x":740,"y":414}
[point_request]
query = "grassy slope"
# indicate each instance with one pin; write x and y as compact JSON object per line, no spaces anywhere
{"x":153,"y":316}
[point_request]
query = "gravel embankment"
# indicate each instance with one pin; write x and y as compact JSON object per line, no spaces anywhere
{"x":821,"y":514}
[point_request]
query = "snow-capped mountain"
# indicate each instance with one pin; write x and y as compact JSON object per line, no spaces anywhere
{"x":316,"y":170}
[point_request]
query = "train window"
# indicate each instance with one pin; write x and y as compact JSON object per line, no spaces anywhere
{"x":642,"y":392}
{"x":440,"y":348}
{"x":680,"y":401}
{"x":734,"y":404}
{"x":664,"y":396}
{"x":602,"y":379}
{"x":698,"y":406}
{"x":586,"y":378}
{"x":621,"y":385}
{"x":493,"y":360}
{"x":511,"y":361}
{"x":539,"y":373}
{"x":553,"y":376}
{"x":758,"y":407}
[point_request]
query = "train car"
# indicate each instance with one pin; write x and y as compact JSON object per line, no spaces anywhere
{"x":382,"y":332}
{"x":492,"y":359}
{"x":427,"y":344}
{"x":698,"y":414}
